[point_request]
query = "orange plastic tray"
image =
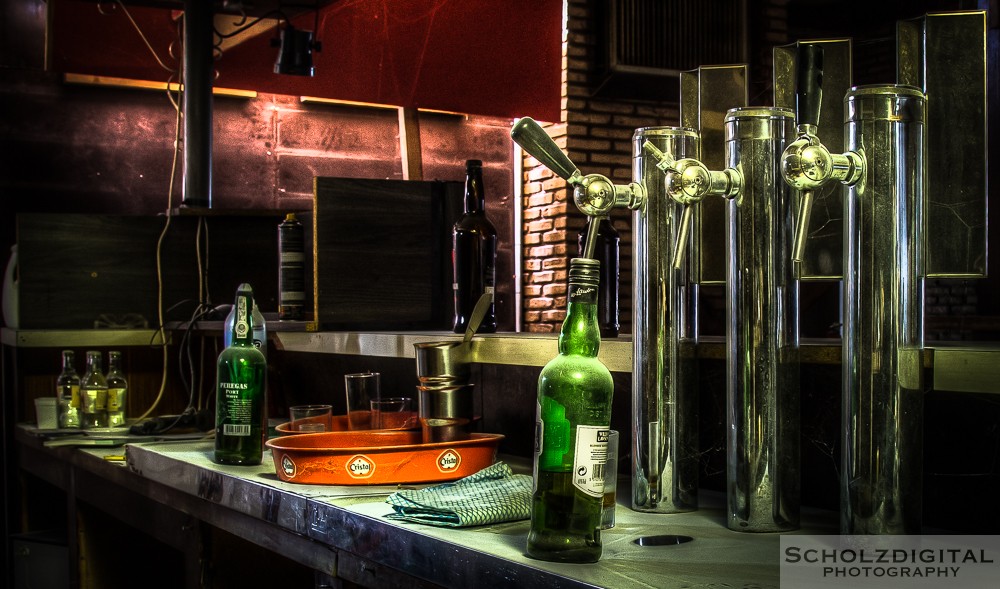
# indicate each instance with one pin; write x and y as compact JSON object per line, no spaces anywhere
{"x":378,"y":457}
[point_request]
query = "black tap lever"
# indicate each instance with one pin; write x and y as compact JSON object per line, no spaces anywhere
{"x":808,"y":84}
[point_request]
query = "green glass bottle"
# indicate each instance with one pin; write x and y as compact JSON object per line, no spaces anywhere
{"x":240,"y":414}
{"x":571,"y":432}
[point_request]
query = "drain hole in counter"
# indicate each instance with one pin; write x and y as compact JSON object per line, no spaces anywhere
{"x":664,"y":540}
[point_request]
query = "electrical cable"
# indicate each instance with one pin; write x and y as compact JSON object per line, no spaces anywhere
{"x":159,"y":241}
{"x":243,"y":28}
{"x":142,"y":36}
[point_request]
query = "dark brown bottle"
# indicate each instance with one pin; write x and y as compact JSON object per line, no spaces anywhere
{"x":606,"y":251}
{"x":473,"y":254}
{"x":291,"y":269}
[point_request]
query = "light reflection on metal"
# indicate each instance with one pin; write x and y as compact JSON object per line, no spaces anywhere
{"x":944,"y":54}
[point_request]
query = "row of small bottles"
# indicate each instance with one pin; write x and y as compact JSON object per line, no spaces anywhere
{"x":474,"y":256}
{"x":94,"y":400}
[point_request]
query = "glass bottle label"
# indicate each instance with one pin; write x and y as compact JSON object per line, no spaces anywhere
{"x":590,"y":457}
{"x":71,"y":393}
{"x":583,"y":293}
{"x":116,"y":399}
{"x":238,"y":409}
{"x":242,"y":328}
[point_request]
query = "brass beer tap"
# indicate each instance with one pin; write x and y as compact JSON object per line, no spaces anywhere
{"x":594,"y":194}
{"x":807,"y":164}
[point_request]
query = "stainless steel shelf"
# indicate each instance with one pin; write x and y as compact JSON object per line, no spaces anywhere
{"x":70,"y":338}
{"x":957,"y":367}
{"x":512,"y":349}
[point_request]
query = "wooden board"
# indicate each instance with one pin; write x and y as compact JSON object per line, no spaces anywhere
{"x":74,"y":268}
{"x":382,"y":253}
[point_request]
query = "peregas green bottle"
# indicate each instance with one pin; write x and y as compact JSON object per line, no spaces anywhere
{"x":240,"y":415}
{"x":571,"y":432}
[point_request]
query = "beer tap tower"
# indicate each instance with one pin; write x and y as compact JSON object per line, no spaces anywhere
{"x":762,"y":347}
{"x":886,"y":254}
{"x":894,"y":202}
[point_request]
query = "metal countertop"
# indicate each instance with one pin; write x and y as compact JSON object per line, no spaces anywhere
{"x":352,"y":519}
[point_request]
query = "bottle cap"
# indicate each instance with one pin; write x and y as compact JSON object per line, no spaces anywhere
{"x":585,"y":271}
{"x":473,"y":164}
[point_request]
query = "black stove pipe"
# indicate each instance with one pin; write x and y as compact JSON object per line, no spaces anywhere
{"x":199,"y":72}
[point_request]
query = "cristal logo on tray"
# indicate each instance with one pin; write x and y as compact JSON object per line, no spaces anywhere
{"x":360,"y":467}
{"x":288,"y":466}
{"x":448,"y":461}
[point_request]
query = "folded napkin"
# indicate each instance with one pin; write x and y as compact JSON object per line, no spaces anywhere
{"x":492,"y":495}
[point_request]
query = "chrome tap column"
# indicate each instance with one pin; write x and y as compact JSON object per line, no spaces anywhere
{"x":883,"y":314}
{"x":664,"y":333}
{"x":763,"y":475}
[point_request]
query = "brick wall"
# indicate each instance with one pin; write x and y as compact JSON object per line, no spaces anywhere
{"x":596,"y":134}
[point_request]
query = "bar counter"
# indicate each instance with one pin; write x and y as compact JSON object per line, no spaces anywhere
{"x":342,"y":531}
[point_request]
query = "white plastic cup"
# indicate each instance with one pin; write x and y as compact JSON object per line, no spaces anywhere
{"x":47,"y":412}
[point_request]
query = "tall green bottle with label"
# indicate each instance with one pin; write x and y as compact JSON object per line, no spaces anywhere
{"x":240,"y":416}
{"x":571,"y":432}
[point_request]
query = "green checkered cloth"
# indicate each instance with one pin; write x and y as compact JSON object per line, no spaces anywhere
{"x":492,"y":495}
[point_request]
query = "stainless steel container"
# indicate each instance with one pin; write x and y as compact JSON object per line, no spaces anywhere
{"x":664,"y":334}
{"x":881,"y":475}
{"x":762,"y":474}
{"x":445,"y":412}
{"x":445,"y":362}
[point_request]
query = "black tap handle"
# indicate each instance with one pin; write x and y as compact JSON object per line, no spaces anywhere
{"x":808,"y":83}
{"x":533,"y":139}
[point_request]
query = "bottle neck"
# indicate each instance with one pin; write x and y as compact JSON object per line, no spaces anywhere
{"x":475,"y":198}
{"x":581,"y":334}
{"x":94,"y":363}
{"x":243,"y":319}
{"x":67,"y":363}
{"x":114,"y":363}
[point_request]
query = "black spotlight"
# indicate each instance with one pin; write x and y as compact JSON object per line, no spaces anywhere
{"x":296,"y":54}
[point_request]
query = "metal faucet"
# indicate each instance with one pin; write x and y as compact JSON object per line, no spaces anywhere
{"x":594,"y":194}
{"x":807,"y":164}
{"x":688,"y":181}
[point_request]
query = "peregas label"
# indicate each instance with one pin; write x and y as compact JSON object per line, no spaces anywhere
{"x":360,"y":466}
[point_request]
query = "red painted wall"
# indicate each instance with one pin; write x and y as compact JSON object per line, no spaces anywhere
{"x":498,"y":58}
